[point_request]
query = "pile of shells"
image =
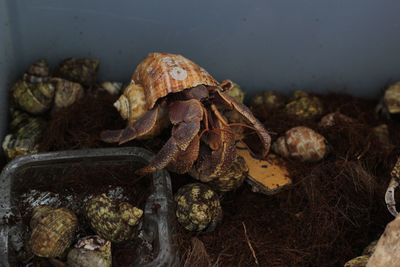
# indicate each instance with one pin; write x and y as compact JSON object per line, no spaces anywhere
{"x":57,"y":232}
{"x":38,"y":92}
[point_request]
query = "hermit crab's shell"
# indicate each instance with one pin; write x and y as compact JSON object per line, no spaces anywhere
{"x":163,"y":73}
{"x":90,"y":251}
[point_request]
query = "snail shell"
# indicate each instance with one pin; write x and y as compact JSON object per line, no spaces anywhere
{"x":304,"y":106}
{"x":52,"y":231}
{"x":67,"y":93}
{"x":132,"y":103}
{"x":233,"y":89}
{"x":37,"y":72}
{"x":198,"y":207}
{"x":233,"y":178}
{"x":301,"y":143}
{"x":80,"y":70}
{"x":90,"y":251}
{"x":26,"y":133}
{"x":33,"y":98}
{"x":391,"y":98}
{"x":111,"y":220}
{"x":163,"y":73}
{"x":113,"y":88}
{"x":267,"y":101}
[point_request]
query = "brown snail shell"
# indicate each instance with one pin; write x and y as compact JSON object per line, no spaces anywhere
{"x":198,"y":207}
{"x":33,"y":98}
{"x":112,"y":220}
{"x":391,"y":98}
{"x":80,"y":70}
{"x":52,"y":231}
{"x":90,"y":251}
{"x":163,"y":73}
{"x":66,"y":93}
{"x":301,"y":143}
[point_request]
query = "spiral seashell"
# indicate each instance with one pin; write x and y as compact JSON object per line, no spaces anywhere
{"x":132,"y":103}
{"x":113,"y":88}
{"x":304,"y":106}
{"x":391,"y":98}
{"x":67,"y":93}
{"x":52,"y":231}
{"x":38,"y":72}
{"x":113,"y":221}
{"x":163,"y":73}
{"x":198,"y":207}
{"x":90,"y":251}
{"x":80,"y":70}
{"x":233,"y":89}
{"x":33,"y":98}
{"x":301,"y":143}
{"x":26,"y":132}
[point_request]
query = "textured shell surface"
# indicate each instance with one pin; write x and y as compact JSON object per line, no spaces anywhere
{"x":111,"y":220}
{"x":333,"y":119}
{"x":198,"y":207}
{"x":90,"y":251}
{"x":301,"y":143}
{"x":304,"y":106}
{"x":53,"y":231}
{"x":233,"y":89}
{"x":33,"y":98}
{"x":113,"y":88}
{"x":391,"y":98}
{"x":132,"y":103}
{"x":80,"y":70}
{"x":233,"y":178}
{"x":37,"y":72}
{"x":360,"y":261}
{"x":163,"y":73}
{"x":26,"y":133}
{"x":66,"y":92}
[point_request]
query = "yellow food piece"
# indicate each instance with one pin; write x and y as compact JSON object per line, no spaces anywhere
{"x":269,"y":173}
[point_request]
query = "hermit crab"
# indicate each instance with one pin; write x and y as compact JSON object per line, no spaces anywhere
{"x":192,"y":100}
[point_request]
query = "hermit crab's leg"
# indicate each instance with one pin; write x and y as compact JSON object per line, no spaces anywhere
{"x":215,"y":161}
{"x":393,"y":184}
{"x":186,"y":117}
{"x":185,"y":159}
{"x":141,"y":127}
{"x":248,"y":115}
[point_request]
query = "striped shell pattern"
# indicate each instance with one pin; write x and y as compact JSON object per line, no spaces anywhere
{"x":163,"y":73}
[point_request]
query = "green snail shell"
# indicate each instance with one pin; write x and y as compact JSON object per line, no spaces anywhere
{"x":112,"y":220}
{"x":80,"y":70}
{"x":26,"y":132}
{"x":198,"y":207}
{"x":33,"y":98}
{"x":37,"y":72}
{"x":304,"y":106}
{"x":90,"y":251}
{"x":53,"y":231}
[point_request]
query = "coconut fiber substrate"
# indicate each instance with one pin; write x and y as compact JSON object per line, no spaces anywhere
{"x":332,"y":211}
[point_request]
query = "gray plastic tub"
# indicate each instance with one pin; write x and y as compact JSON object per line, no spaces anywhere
{"x":157,"y":228}
{"x":261,"y":44}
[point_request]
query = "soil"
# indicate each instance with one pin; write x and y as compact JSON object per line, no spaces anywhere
{"x":332,"y":211}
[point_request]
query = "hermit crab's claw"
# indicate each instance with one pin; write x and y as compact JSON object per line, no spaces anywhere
{"x":181,"y":149}
{"x":142,"y":126}
{"x":248,"y":115}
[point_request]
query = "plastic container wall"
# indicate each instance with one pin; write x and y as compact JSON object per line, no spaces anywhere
{"x":261,"y":44}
